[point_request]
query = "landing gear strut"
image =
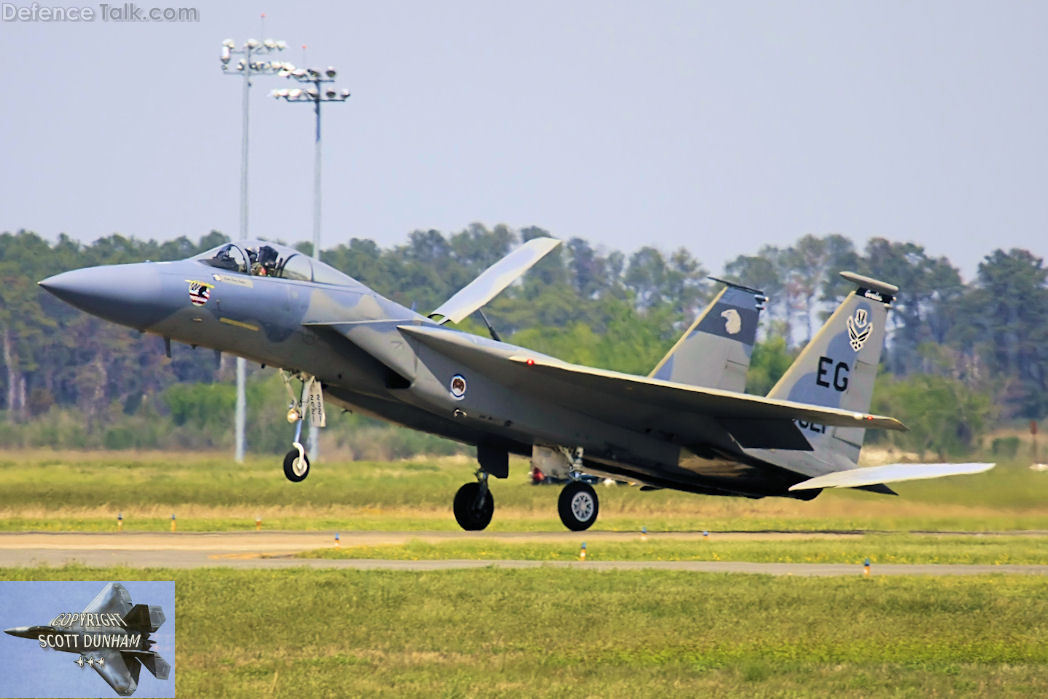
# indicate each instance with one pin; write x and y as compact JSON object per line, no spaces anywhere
{"x":296,"y":463}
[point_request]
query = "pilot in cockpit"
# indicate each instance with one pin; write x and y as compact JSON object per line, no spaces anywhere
{"x":267,"y":261}
{"x":262,"y":262}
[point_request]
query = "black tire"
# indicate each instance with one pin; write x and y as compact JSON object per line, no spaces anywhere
{"x":471,"y":515}
{"x":295,"y":475}
{"x":578,"y":506}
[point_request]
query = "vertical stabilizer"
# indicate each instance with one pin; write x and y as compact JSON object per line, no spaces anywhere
{"x":145,"y":617}
{"x":838,"y":367}
{"x":715,"y":351}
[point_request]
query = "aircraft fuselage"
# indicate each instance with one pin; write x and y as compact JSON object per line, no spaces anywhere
{"x":347,"y":337}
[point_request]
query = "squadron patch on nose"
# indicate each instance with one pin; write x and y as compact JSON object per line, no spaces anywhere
{"x":199,"y":292}
{"x":457,"y":387}
{"x":859,"y":329}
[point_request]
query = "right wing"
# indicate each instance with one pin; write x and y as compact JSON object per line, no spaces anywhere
{"x":692,"y":415}
{"x":113,"y":599}
{"x":121,"y":674}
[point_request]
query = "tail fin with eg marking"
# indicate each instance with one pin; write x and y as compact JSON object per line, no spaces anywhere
{"x":837,"y":369}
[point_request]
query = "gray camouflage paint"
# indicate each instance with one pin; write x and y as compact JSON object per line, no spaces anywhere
{"x":825,"y":364}
{"x":715,"y":351}
{"x":378,"y":357}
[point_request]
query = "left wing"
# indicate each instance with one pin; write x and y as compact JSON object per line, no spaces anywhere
{"x":690,"y":413}
{"x":493,"y":280}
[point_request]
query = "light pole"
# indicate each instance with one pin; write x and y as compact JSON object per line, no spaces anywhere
{"x":318,"y":94}
{"x":246,"y":67}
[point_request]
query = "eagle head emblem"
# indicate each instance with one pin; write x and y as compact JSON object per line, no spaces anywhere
{"x":732,"y":321}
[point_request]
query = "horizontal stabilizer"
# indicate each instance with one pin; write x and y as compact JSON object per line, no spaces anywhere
{"x":890,"y":473}
{"x":493,"y":280}
{"x":156,"y":665}
{"x":766,"y":434}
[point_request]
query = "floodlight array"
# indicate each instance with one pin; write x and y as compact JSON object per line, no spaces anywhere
{"x":316,"y":76}
{"x":251,"y":49}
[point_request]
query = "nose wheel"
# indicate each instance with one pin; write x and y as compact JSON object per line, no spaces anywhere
{"x":578,"y":506}
{"x":296,"y":464}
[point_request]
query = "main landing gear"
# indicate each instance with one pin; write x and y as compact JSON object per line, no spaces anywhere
{"x":296,"y":463}
{"x":578,"y":506}
{"x":474,"y":505}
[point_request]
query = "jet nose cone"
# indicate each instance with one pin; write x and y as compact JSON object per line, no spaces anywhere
{"x":81,"y":286}
{"x":20,"y":631}
{"x":125,"y":294}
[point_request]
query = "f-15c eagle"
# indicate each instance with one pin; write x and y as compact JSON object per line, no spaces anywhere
{"x":686,"y":426}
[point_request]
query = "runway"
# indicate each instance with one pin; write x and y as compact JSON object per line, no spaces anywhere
{"x":248,"y":550}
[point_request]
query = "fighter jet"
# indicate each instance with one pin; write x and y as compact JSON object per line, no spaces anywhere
{"x":111,"y":635}
{"x":687,"y":426}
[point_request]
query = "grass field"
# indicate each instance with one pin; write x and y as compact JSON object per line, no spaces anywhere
{"x":67,"y":491}
{"x":879,"y":548}
{"x":554,"y":632}
{"x":557,"y":632}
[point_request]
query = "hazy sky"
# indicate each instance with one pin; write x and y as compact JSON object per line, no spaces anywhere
{"x":32,"y":671}
{"x":719,"y":126}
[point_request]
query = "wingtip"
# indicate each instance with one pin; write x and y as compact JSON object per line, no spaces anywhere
{"x":885,"y":422}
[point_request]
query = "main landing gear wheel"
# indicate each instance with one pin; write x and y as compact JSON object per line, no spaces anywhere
{"x":578,"y":506}
{"x":473,"y":508}
{"x":296,"y":465}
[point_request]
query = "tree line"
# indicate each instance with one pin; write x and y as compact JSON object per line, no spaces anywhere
{"x":960,"y":358}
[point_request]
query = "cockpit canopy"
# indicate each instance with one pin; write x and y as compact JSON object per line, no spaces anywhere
{"x":261,"y":258}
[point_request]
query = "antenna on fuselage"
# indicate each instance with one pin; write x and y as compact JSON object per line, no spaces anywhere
{"x":491,"y":330}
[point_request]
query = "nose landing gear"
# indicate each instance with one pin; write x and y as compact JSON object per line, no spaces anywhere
{"x":296,"y":463}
